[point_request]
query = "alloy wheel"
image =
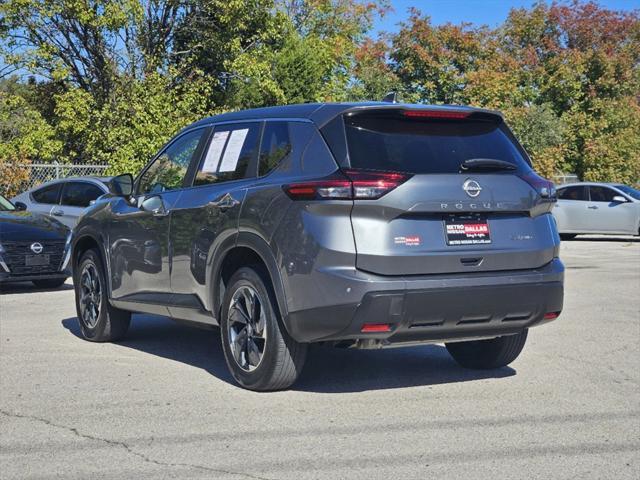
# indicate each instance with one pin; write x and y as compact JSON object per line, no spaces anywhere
{"x":90,"y":295}
{"x":247,"y":328}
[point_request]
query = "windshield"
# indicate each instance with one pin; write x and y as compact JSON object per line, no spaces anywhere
{"x":5,"y":204}
{"x":632,"y":192}
{"x":422,"y":146}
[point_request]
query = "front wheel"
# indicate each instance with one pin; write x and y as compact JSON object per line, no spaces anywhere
{"x":488,"y":354}
{"x":99,"y":321}
{"x":258,"y":350}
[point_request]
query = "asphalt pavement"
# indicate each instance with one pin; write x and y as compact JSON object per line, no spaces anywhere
{"x":161,"y":404}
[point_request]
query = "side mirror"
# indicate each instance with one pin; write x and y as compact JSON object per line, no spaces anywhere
{"x":154,"y":204}
{"x":619,"y":199}
{"x":122,"y":185}
{"x":20,"y":207}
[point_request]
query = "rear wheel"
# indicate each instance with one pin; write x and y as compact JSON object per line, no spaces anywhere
{"x":99,"y":321}
{"x":568,"y":236}
{"x":258,"y":350}
{"x":49,"y":283}
{"x":488,"y":354}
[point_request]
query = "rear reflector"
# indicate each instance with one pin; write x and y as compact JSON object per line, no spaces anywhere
{"x":435,"y":114}
{"x":375,"y":327}
{"x":347,"y":185}
{"x":551,"y":315}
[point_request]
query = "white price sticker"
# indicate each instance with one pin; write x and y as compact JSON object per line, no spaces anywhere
{"x":212,"y":159}
{"x":232,"y":152}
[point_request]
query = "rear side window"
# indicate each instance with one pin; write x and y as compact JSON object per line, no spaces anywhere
{"x":572,"y":193}
{"x":420,"y":146}
{"x":48,"y":194}
{"x":79,"y":194}
{"x":276,"y":145}
{"x":229,"y":154}
{"x":602,"y":194}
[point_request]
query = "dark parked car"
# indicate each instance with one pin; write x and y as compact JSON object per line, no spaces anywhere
{"x":364,"y":225}
{"x":33,"y":247}
{"x":63,"y":199}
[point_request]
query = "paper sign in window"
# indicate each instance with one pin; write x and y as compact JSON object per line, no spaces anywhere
{"x":215,"y":151}
{"x":232,"y":152}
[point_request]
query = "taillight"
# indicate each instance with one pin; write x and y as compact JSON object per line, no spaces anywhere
{"x":347,"y":185}
{"x":544,"y":187}
{"x":436,"y":114}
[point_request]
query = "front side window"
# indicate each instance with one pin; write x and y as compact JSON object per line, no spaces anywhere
{"x":230,"y":151}
{"x":169,"y":169}
{"x":276,"y":145}
{"x":572,"y":193}
{"x":49,"y":194}
{"x":79,"y":194}
{"x":602,"y":194}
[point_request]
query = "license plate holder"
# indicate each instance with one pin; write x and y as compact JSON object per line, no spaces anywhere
{"x":36,"y":260}
{"x":467,"y":229}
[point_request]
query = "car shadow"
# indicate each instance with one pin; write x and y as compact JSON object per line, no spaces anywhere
{"x":28,"y":287}
{"x":327,"y":370}
{"x":610,"y":238}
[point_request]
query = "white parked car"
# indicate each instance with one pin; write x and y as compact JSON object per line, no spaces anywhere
{"x":63,"y":199}
{"x":590,"y":207}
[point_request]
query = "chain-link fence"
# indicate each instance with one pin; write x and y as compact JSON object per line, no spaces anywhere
{"x":565,"y":178}
{"x":43,"y":172}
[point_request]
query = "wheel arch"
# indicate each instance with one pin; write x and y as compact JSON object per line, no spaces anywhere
{"x":248,"y":249}
{"x":85,"y":241}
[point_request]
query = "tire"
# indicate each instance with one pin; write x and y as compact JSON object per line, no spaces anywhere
{"x":264,"y":357}
{"x":488,"y":354}
{"x":99,"y":321}
{"x":567,"y":236}
{"x":49,"y":283}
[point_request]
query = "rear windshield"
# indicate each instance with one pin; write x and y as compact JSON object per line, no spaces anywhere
{"x":418,"y":146}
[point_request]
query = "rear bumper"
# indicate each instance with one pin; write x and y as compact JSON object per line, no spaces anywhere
{"x":438,"y":307}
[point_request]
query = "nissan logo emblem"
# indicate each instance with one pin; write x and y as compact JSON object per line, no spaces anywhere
{"x":472,"y":188}
{"x":36,"y":247}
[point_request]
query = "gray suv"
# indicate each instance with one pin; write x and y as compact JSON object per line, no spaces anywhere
{"x":356,"y":224}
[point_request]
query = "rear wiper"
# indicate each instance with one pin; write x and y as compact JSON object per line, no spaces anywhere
{"x":486,"y":164}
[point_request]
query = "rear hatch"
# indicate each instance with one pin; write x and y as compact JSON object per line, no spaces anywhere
{"x":467,"y":199}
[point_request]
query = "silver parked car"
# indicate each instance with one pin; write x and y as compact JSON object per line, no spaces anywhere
{"x":355,"y":224}
{"x":597,"y":208}
{"x":63,"y":199}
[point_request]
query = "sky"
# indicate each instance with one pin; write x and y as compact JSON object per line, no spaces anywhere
{"x":479,"y":12}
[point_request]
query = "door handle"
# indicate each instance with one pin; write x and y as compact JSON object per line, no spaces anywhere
{"x":57,"y":213}
{"x":225,"y":203}
{"x":592,"y":207}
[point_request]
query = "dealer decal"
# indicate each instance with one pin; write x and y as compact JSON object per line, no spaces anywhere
{"x":409,"y":241}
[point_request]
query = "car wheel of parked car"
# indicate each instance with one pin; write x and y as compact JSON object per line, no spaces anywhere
{"x":58,"y":282}
{"x":99,"y":321}
{"x":259,"y":352}
{"x":567,"y":236}
{"x":488,"y":354}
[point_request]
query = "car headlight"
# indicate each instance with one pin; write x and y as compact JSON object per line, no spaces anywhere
{"x":67,"y":252}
